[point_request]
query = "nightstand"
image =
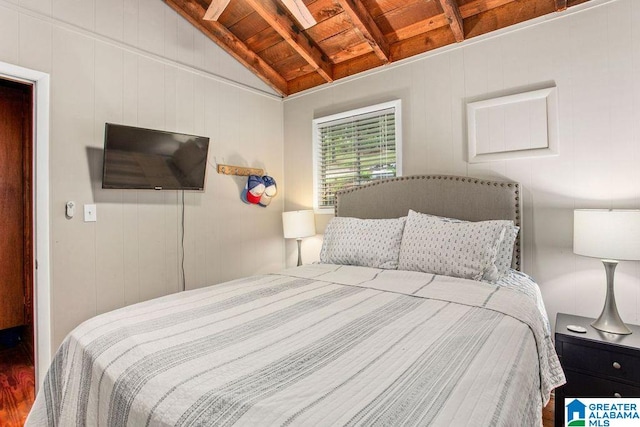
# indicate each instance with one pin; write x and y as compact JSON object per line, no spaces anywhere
{"x":596,"y":364}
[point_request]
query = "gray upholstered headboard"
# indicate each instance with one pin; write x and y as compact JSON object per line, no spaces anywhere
{"x":459,"y":197}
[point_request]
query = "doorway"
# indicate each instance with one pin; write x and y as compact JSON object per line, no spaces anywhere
{"x":17,"y":367}
{"x":40,"y":267}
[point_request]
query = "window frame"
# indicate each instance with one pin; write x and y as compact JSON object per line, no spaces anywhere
{"x":318,"y":122}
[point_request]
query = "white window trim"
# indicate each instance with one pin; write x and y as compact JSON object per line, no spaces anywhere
{"x":396,"y":105}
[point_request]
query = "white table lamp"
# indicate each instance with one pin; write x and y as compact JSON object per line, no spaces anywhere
{"x":612,"y":236}
{"x":298,"y":225}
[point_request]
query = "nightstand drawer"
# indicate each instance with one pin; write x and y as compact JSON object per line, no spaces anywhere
{"x":580,"y":385}
{"x":609,"y":363}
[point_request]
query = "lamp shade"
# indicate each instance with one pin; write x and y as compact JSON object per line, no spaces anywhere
{"x":298,"y":224}
{"x":607,"y":233}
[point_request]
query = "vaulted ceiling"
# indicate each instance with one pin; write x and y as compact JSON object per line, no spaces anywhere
{"x":293,"y":45}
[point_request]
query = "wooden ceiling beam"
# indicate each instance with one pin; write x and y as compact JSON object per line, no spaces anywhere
{"x":478,"y":6}
{"x":350,"y":35}
{"x":288,"y":30}
{"x":421,"y":43}
{"x":417,"y":28}
{"x":506,"y":15}
{"x":215,"y":9}
{"x":367,"y":27}
{"x":300,"y":11}
{"x":193,"y":12}
{"x":452,"y":13}
{"x":422,"y":27}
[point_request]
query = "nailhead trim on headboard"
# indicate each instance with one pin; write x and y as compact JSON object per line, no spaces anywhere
{"x":474,"y":181}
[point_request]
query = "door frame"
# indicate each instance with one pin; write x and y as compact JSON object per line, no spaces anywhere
{"x":41,"y":259}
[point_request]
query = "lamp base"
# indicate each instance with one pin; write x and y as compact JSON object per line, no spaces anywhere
{"x":612,"y":328}
{"x":609,"y":320}
{"x":299,"y":252}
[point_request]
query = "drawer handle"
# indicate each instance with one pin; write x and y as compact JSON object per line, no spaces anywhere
{"x":616,"y":365}
{"x":617,"y":395}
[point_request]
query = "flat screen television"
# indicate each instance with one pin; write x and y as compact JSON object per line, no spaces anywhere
{"x":137,"y":158}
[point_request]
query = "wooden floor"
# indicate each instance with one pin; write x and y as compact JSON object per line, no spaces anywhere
{"x":17,"y":386}
{"x":547,"y":414}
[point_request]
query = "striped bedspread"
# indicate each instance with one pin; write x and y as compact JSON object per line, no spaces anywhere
{"x":317,"y":345}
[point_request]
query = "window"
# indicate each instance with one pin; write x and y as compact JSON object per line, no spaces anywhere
{"x":354,"y":148}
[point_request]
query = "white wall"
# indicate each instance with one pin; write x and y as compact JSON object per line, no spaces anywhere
{"x":593,"y":57}
{"x":137,"y":62}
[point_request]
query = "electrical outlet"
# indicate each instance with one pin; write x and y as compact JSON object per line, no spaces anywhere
{"x":90,"y":213}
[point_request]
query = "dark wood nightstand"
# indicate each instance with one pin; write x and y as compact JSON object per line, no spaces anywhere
{"x":596,"y":364}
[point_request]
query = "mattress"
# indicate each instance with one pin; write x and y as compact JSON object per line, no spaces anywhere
{"x":315,"y":345}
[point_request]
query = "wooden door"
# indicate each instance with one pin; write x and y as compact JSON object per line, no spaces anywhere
{"x":15,"y":204}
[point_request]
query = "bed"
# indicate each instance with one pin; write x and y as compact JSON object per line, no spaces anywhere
{"x":328,"y":343}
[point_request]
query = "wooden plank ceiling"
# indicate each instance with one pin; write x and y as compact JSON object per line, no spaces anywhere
{"x":293,"y":45}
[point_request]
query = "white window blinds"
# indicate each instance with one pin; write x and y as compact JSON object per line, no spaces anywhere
{"x":354,"y":148}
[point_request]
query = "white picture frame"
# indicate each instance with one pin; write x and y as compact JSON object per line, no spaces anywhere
{"x":515,"y":126}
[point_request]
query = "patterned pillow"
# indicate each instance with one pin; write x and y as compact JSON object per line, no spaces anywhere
{"x":505,"y":251}
{"x":460,"y":249}
{"x":363,"y":242}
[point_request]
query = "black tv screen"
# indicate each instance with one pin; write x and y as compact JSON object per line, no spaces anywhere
{"x":137,"y":158}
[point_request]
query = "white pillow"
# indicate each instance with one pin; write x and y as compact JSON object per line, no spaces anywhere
{"x":363,"y":242}
{"x":459,"y":249}
{"x":505,"y":251}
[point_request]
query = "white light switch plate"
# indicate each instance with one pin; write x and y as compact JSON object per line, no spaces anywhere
{"x":90,"y":214}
